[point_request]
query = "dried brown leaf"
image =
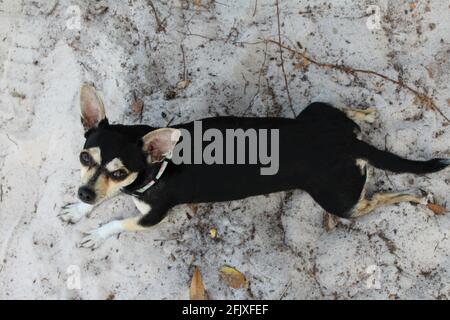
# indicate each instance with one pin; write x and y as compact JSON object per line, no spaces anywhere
{"x":329,"y":222}
{"x":233,"y":277}
{"x":182,"y":84}
{"x":298,"y":66}
{"x":16,"y":94}
{"x":137,"y":106}
{"x":197,"y":289}
{"x":437,"y":209}
{"x":393,"y":296}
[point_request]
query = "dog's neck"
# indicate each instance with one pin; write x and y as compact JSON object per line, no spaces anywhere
{"x":145,"y":180}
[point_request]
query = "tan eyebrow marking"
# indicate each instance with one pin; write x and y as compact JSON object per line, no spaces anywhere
{"x":114,"y":165}
{"x":95,"y":154}
{"x":88,"y":172}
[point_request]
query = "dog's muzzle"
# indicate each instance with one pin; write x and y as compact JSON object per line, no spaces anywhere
{"x":86,"y":194}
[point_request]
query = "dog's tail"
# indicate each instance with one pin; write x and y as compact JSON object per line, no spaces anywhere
{"x":389,"y":161}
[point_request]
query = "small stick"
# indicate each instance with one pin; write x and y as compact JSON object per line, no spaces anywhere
{"x":386,"y":149}
{"x":9,"y":138}
{"x":168,"y":239}
{"x":282,"y":60}
{"x":245,"y":83}
{"x":286,"y":288}
{"x":184,"y":63}
{"x":141,"y":110}
{"x":427,"y":101}
{"x":261,"y":70}
{"x":159,"y":23}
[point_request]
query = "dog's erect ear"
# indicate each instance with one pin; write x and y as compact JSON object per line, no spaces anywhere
{"x":92,"y":109}
{"x":159,"y":143}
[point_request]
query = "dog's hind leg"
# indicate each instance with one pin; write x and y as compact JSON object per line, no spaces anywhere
{"x":368,"y":115}
{"x":365,"y":206}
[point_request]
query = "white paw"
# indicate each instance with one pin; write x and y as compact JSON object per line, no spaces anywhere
{"x":73,"y":212}
{"x":96,"y":237}
{"x":92,"y":240}
{"x":370,"y":115}
{"x":370,"y":118}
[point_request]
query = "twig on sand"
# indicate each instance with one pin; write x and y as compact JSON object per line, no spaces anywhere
{"x":184,"y":63}
{"x":9,"y":138}
{"x":159,"y":23}
{"x":52,"y":10}
{"x":168,"y":239}
{"x":282,"y":59}
{"x":261,"y":70}
{"x":386,"y":149}
{"x":286,"y":288}
{"x":140,"y":104}
{"x":422,"y":97}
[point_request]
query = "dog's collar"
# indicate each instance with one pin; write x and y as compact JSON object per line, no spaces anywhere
{"x":140,"y":191}
{"x":151,"y":183}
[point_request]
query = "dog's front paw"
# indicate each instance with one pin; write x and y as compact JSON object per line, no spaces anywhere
{"x":370,"y":115}
{"x":73,"y":212}
{"x":96,"y":237}
{"x":92,"y":240}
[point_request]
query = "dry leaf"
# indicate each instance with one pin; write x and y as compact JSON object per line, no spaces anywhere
{"x":198,"y":3}
{"x":393,"y":296}
{"x":303,"y":63}
{"x":412,"y":5}
{"x":233,"y":278}
{"x":197,"y":290}
{"x":213,"y":233}
{"x":423,"y":100}
{"x":298,"y":66}
{"x":137,"y":106}
{"x":16,"y":94}
{"x":437,"y":209}
{"x":329,"y":222}
{"x":182,"y":84}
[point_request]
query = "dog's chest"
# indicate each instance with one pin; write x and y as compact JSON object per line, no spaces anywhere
{"x":142,"y":206}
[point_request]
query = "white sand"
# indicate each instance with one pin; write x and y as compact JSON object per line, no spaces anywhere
{"x":277,"y":241}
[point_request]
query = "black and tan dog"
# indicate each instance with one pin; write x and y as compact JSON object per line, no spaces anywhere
{"x":320,"y":152}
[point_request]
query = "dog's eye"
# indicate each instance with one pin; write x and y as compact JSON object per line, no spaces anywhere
{"x":86,"y":159}
{"x":119,"y":174}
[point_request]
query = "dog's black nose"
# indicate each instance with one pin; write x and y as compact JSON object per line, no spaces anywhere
{"x":86,"y":195}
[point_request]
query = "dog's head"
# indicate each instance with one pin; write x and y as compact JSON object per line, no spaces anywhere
{"x":114,"y":155}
